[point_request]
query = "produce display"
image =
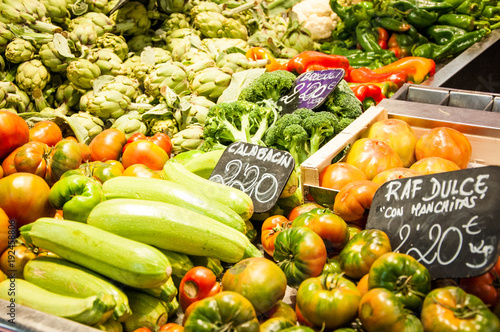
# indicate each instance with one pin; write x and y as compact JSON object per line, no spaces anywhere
{"x":114,"y":114}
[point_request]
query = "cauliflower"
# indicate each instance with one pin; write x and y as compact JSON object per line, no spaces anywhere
{"x":316,"y":16}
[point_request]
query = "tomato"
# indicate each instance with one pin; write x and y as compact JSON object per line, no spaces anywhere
{"x":332,"y":266}
{"x":85,"y":152}
{"x":198,"y":283}
{"x":141,"y":170}
{"x":160,"y":139}
{"x":372,"y":156}
{"x":303,"y":208}
{"x":14,"y":259}
{"x":447,"y":143}
{"x":362,"y":285}
{"x":398,"y":134}
{"x":25,"y":197}
{"x":172,"y":327}
{"x":14,"y":132}
{"x":352,"y":201}
{"x":65,"y":155}
{"x":46,"y":132}
{"x":275,"y":324}
{"x":404,"y":276}
{"x":32,"y":158}
{"x":107,"y":145}
{"x":362,"y":250}
{"x":270,"y":229}
{"x":452,"y":309}
{"x":380,"y":310}
{"x":259,"y":280}
{"x":101,"y":171}
{"x":328,"y":301}
{"x":142,"y":329}
{"x":431,"y":165}
{"x":300,"y":253}
{"x":1,"y":172}
{"x":283,"y":310}
{"x":146,"y":153}
{"x":485,"y":286}
{"x":225,"y":311}
{"x":336,"y":176}
{"x":329,"y":226}
{"x":394,"y":174}
{"x":4,"y":231}
{"x":301,"y":318}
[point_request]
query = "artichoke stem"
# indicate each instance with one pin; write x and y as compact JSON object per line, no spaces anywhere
{"x":45,"y":27}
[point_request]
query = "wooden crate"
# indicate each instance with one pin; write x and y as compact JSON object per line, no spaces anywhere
{"x":481,"y":128}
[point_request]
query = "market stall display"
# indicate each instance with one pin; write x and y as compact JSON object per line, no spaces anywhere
{"x":138,"y":144}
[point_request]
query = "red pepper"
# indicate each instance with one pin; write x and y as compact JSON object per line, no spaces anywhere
{"x":383,"y":36}
{"x":313,"y":60}
{"x":366,"y":75}
{"x":388,"y":88}
{"x":368,"y":94}
{"x":417,"y":68}
{"x":258,"y":53}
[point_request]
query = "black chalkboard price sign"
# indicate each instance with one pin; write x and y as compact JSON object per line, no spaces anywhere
{"x":311,"y":89}
{"x":259,"y":171}
{"x":449,"y":222}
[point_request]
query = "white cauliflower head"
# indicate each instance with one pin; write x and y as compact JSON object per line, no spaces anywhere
{"x":317,"y":16}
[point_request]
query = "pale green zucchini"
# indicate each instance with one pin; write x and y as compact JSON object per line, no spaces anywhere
{"x":130,"y":262}
{"x":172,"y":227}
{"x":181,"y":263}
{"x":146,"y":311}
{"x":89,"y":310}
{"x":203,"y":165}
{"x":166,"y":292}
{"x":173,"y":193}
{"x":63,"y":277}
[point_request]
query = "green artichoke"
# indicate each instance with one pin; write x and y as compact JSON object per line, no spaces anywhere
{"x":170,"y":6}
{"x":168,"y":74}
{"x":92,"y":124}
{"x":19,"y":50}
{"x":239,"y":62}
{"x":177,"y":37}
{"x":82,"y":104}
{"x":67,"y":97}
{"x":84,"y":35}
{"x":115,"y":43}
{"x":30,"y":12}
{"x":176,"y":21}
{"x":137,"y":43}
{"x":218,"y":45}
{"x":108,"y":104}
{"x":57,"y":11}
{"x":130,"y":123}
{"x":188,"y":139}
{"x":211,"y":82}
{"x":297,"y":37}
{"x":210,"y":24}
{"x":198,"y":107}
{"x":131,"y":63}
{"x":56,"y":54}
{"x":13,"y":97}
{"x":98,"y":6}
{"x":234,"y":29}
{"x":125,"y":85}
{"x":206,"y":6}
{"x":131,"y":19}
{"x":101,"y":22}
{"x":5,"y":36}
{"x":32,"y":75}
{"x":82,"y":73}
{"x":2,"y":63}
{"x":108,"y":62}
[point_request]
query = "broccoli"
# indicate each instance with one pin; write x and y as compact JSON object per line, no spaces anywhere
{"x":237,"y":121}
{"x":269,"y":86}
{"x":302,"y":132}
{"x":343,"y":102}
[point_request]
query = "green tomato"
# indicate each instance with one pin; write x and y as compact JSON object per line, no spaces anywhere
{"x":381,"y":311}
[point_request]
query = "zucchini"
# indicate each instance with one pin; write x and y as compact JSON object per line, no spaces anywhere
{"x":203,"y":165}
{"x":110,"y":325}
{"x":147,"y":311}
{"x":180,"y":262}
{"x":173,"y":193}
{"x":172,"y":227}
{"x":89,"y":310}
{"x":165,"y":292}
{"x":129,"y":262}
{"x":63,"y":277}
{"x":235,"y":199}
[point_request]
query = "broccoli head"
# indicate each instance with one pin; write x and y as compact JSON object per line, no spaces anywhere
{"x":269,"y":86}
{"x":241,"y":120}
{"x":343,"y":102}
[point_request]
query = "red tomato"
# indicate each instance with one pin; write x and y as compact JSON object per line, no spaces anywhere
{"x":198,"y":283}
{"x":141,"y":170}
{"x":4,"y":231}
{"x":393,"y":174}
{"x":32,"y":158}
{"x":172,"y":327}
{"x":14,"y":259}
{"x":142,"y":329}
{"x":107,"y":145}
{"x":446,"y":143}
{"x":160,"y":139}
{"x":362,"y":285}
{"x":25,"y":197}
{"x":146,"y":153}
{"x":46,"y":132}
{"x":352,"y":200}
{"x":1,"y":172}
{"x":298,"y":210}
{"x":432,"y":165}
{"x":71,"y":138}
{"x":85,"y":152}
{"x":14,"y":132}
{"x":270,"y":229}
{"x":336,"y":176}
{"x":485,"y":286}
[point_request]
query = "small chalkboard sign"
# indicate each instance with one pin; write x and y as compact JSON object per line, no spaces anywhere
{"x":311,"y":89}
{"x":259,"y":171}
{"x":448,"y":221}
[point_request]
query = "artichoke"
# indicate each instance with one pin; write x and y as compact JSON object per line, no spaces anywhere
{"x":131,"y":63}
{"x":115,"y":43}
{"x":179,"y":37}
{"x":198,"y":107}
{"x":108,"y":104}
{"x":218,"y":45}
{"x":170,"y":6}
{"x":108,"y":62}
{"x":13,"y":97}
{"x":210,"y":24}
{"x":206,"y":6}
{"x":30,"y":12}
{"x":19,"y":50}
{"x":84,"y":35}
{"x":296,"y":36}
{"x":176,"y":21}
{"x":55,"y":55}
{"x":82,"y":73}
{"x":130,"y":124}
{"x":161,"y":55}
{"x":92,"y":124}
{"x":67,"y":97}
{"x":168,"y":74}
{"x":131,"y":19}
{"x":98,"y":6}
{"x":211,"y":82}
{"x":125,"y":85}
{"x":2,"y":64}
{"x":82,"y":104}
{"x":137,"y":43}
{"x":57,"y":11}
{"x":5,"y":36}
{"x":101,"y":22}
{"x":188,"y":139}
{"x":239,"y":62}
{"x":234,"y":29}
{"x":32,"y":75}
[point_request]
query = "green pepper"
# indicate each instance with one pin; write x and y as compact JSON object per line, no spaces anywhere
{"x":366,"y":38}
{"x":421,"y":18}
{"x":404,"y":276}
{"x":465,"y":22}
{"x":491,"y":11}
{"x":77,"y":195}
{"x":391,"y":24}
{"x":471,"y":7}
{"x":437,"y":6}
{"x":443,"y":34}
